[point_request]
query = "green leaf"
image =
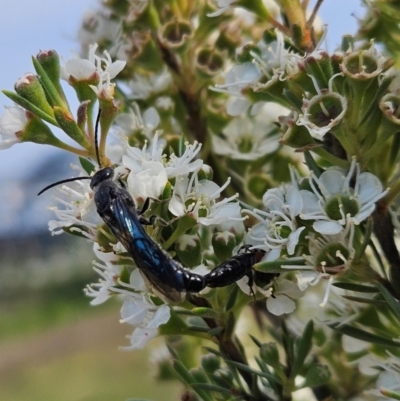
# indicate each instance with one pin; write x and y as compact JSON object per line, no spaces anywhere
{"x":303,"y":349}
{"x":233,"y":294}
{"x":30,"y":107}
{"x":215,"y":331}
{"x":393,"y":302}
{"x":275,"y":266}
{"x":256,"y":341}
{"x":355,"y":287}
{"x":187,"y":378}
{"x":213,"y":351}
{"x":363,"y":335}
{"x":370,"y":301}
{"x":50,"y":89}
{"x":317,"y":375}
{"x":246,"y":368}
{"x":311,"y":164}
{"x":373,"y":109}
{"x":87,"y":165}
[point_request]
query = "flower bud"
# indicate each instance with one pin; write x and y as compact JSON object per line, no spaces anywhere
{"x":319,"y":66}
{"x":270,"y":355}
{"x":30,"y":88}
{"x":210,"y":363}
{"x":256,"y":185}
{"x":223,"y":244}
{"x":199,"y":375}
{"x":50,"y":61}
{"x":70,"y":127}
{"x":188,"y":249}
{"x":205,"y":173}
{"x":223,"y":377}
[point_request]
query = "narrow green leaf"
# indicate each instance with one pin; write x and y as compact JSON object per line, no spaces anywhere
{"x":393,"y":302}
{"x":256,"y":341}
{"x":215,"y":331}
{"x":355,"y":287}
{"x":30,"y":107}
{"x":213,"y":351}
{"x":303,"y":349}
{"x":246,"y":368}
{"x":370,"y":301}
{"x":186,"y":376}
{"x":276,"y":265}
{"x":233,"y":294}
{"x":50,"y":89}
{"x":87,"y":165}
{"x":311,"y":164}
{"x":366,"y":240}
{"x":363,"y":335}
{"x":211,"y":387}
{"x":199,"y":329}
{"x":373,"y":109}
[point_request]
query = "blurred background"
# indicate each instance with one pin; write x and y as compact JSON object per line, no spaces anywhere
{"x":53,"y":344}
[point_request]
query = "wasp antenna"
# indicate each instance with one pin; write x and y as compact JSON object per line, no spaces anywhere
{"x":96,"y":135}
{"x":62,"y":182}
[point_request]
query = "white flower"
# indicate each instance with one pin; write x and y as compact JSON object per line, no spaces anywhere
{"x":146,"y":317}
{"x":109,"y":272}
{"x":12,"y":123}
{"x":334,"y":204}
{"x":389,"y":376}
{"x":223,"y":6}
{"x":249,"y":138}
{"x":324,"y":111}
{"x":79,"y":210}
{"x":275,"y":61}
{"x":185,"y":164}
{"x":100,"y":27}
{"x":148,"y":183}
{"x":84,"y":69}
{"x":199,"y":198}
{"x":237,"y":80}
{"x":278,"y":227}
{"x":281,"y":300}
{"x":143,"y":87}
{"x":134,"y":121}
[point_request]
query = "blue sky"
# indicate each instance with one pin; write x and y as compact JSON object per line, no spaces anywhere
{"x":27,"y":27}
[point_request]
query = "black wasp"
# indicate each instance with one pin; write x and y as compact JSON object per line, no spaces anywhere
{"x":237,"y":267}
{"x":166,"y":276}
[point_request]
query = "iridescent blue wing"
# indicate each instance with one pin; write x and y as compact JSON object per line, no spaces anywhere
{"x":162,"y":272}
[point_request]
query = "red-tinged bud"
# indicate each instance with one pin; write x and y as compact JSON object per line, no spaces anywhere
{"x":50,"y":61}
{"x":70,"y":127}
{"x":30,"y":88}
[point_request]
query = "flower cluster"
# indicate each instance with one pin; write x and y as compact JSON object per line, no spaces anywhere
{"x":246,"y":148}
